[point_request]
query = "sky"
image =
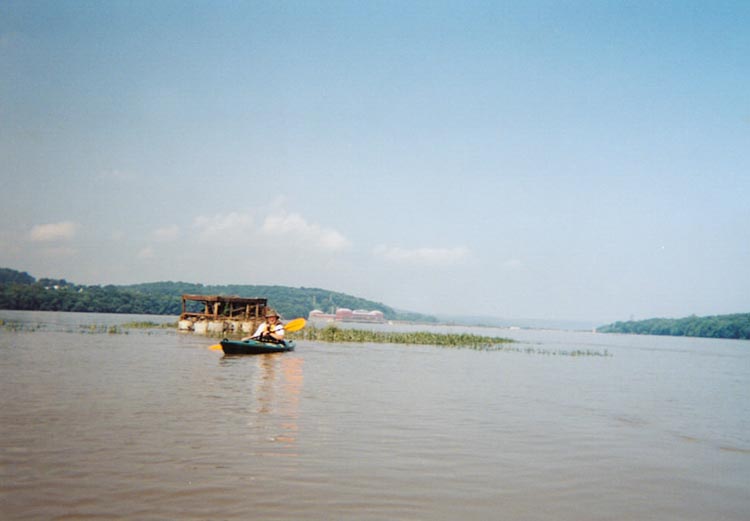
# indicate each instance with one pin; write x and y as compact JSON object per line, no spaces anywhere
{"x":559,"y":160}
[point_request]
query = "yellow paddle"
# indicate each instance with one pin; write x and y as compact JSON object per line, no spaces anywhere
{"x":295,"y":325}
{"x":291,"y":326}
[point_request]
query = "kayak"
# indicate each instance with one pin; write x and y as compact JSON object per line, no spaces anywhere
{"x":254,"y":347}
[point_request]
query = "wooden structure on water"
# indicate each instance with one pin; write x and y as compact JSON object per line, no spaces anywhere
{"x":220,"y":314}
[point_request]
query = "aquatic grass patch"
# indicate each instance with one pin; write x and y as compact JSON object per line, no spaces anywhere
{"x":101,"y":329}
{"x":462,"y":340}
{"x":17,"y":327}
{"x":147,"y":324}
{"x":335,"y":334}
{"x":532,"y":350}
{"x":122,"y":329}
{"x":85,"y":329}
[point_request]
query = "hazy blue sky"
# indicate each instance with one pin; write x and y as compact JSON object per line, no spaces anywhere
{"x":525,"y":159}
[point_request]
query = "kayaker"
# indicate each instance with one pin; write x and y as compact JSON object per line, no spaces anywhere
{"x":272,"y":330}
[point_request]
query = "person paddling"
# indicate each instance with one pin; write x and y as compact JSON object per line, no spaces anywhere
{"x":272,"y":330}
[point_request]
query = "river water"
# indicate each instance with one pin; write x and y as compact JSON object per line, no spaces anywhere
{"x":154,"y":425}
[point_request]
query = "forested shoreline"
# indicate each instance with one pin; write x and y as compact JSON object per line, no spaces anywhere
{"x":735,"y":326}
{"x":21,"y":291}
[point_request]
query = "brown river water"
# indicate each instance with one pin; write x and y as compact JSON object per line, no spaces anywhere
{"x":152,"y":425}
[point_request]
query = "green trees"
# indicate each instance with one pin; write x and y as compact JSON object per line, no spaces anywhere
{"x":735,"y":326}
{"x":21,"y":291}
{"x":8,"y":276}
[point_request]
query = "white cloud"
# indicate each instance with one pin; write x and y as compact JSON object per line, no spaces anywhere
{"x":146,"y":253}
{"x":294,"y":226}
{"x":221,"y":226}
{"x":277,"y":229}
{"x":166,"y":233}
{"x":423,"y":256}
{"x":61,"y":231}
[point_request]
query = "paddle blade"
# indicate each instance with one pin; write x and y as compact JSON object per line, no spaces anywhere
{"x":295,"y":325}
{"x":215,"y":347}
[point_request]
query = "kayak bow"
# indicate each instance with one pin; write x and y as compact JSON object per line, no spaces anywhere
{"x":255,"y":347}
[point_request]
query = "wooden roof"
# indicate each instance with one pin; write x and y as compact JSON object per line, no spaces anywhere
{"x":228,"y":300}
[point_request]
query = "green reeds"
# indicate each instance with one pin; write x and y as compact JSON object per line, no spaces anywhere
{"x":11,"y":325}
{"x":100,"y":329}
{"x":14,"y":326}
{"x":118,"y":329}
{"x":464,"y":340}
{"x":453,"y":340}
{"x":122,"y":329}
{"x":147,"y":324}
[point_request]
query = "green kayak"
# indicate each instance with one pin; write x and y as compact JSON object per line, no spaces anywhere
{"x":255,"y":347}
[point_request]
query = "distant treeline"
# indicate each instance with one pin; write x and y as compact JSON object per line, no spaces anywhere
{"x":720,"y":326}
{"x":21,"y":291}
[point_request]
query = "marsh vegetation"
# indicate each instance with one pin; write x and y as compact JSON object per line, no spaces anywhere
{"x":452,"y":340}
{"x":334,"y":334}
{"x":111,"y":329}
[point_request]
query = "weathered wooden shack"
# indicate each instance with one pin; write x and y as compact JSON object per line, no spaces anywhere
{"x":220,"y":314}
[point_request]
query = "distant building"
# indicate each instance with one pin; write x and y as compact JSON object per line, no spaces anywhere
{"x":348,"y":315}
{"x":359,"y":315}
{"x":317,"y":314}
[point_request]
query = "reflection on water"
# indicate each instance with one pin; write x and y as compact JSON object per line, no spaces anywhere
{"x":277,"y":392}
{"x":157,"y":426}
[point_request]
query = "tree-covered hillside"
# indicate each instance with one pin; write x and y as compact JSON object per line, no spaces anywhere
{"x":19,"y":290}
{"x":719,"y":326}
